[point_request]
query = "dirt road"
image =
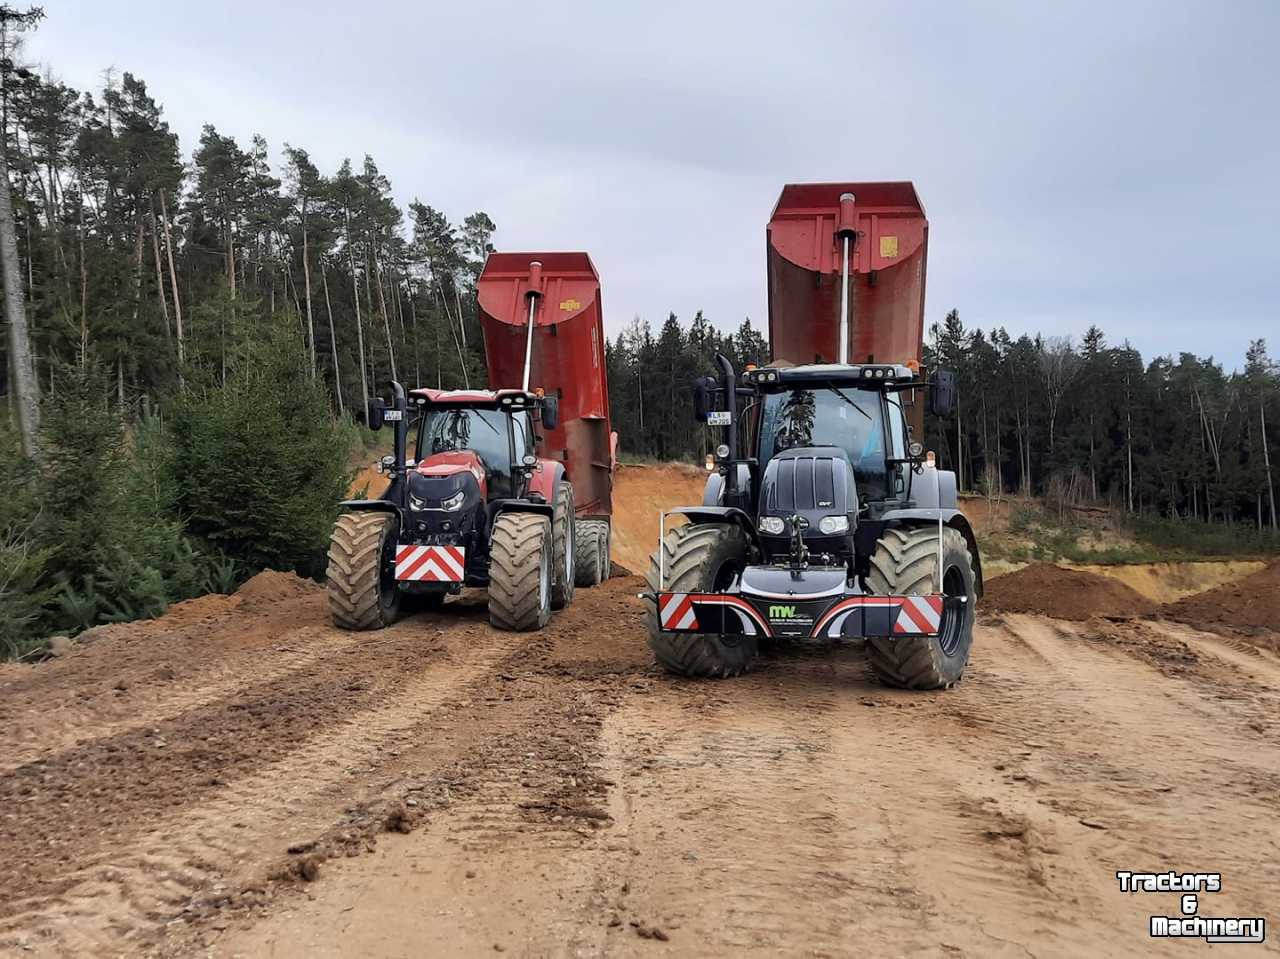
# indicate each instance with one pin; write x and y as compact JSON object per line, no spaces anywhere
{"x":446,"y":789}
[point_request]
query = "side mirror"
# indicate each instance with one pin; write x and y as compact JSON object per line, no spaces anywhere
{"x":376,"y":413}
{"x":550,"y":412}
{"x":702,"y":390}
{"x":942,"y":393}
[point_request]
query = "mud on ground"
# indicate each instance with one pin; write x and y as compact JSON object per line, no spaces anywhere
{"x":238,"y":778}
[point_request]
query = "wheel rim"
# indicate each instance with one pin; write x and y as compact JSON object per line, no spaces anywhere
{"x":570,"y":543}
{"x":951,"y":629}
{"x":544,"y":580}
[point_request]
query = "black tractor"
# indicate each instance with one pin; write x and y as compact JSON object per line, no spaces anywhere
{"x":475,"y":507}
{"x":833,"y":525}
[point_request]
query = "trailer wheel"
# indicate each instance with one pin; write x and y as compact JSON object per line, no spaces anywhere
{"x":361,"y":575}
{"x":701,"y":557}
{"x":606,"y":544}
{"x":587,"y":569}
{"x":563,"y":545}
{"x":520,"y":571}
{"x":905,"y":563}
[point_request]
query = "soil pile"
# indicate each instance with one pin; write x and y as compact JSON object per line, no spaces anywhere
{"x":1047,"y":590}
{"x":272,"y":586}
{"x":640,"y":494}
{"x":1249,"y":603}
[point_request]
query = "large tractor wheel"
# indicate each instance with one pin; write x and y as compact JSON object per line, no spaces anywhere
{"x":362,"y":580}
{"x":562,"y":535}
{"x":700,"y":558}
{"x":905,"y":563}
{"x":520,"y":571}
{"x":588,"y":569}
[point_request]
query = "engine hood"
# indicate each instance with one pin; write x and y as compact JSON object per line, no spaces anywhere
{"x":439,"y":465}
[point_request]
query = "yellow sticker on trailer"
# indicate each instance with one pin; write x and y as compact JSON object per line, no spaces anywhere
{"x":570,"y":305}
{"x":888,"y":247}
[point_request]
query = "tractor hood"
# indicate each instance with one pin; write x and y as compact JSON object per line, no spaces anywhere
{"x":816,"y":483}
{"x":441,"y":465}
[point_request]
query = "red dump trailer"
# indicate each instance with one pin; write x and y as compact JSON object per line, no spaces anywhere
{"x":888,"y":245}
{"x":566,"y":359}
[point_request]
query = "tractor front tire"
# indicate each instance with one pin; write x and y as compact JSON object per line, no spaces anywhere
{"x":587,"y":563}
{"x":520,"y":571}
{"x":562,"y":536}
{"x":905,"y":563}
{"x":699,"y":558}
{"x":361,"y":588}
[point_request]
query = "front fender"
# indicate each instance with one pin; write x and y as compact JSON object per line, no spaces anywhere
{"x":371,"y":506}
{"x":950,"y":517}
{"x":724,"y":515}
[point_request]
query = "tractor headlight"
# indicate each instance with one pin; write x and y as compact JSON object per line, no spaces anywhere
{"x":830,"y":525}
{"x":453,"y":503}
{"x":772,"y":525}
{"x":416,"y":504}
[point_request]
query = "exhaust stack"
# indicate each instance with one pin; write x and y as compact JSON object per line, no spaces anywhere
{"x":847,"y":231}
{"x":533,"y":295}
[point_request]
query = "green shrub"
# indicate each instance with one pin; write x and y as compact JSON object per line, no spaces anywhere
{"x":263,"y":461}
{"x":23,"y":595}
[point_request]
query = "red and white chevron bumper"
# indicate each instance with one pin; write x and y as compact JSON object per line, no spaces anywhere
{"x":431,"y":564}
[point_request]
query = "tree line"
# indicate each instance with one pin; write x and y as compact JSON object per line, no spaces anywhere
{"x":158,"y":270}
{"x":1084,"y":423}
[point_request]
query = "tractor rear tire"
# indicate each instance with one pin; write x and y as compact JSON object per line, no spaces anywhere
{"x":905,"y":563}
{"x":520,"y":571}
{"x":362,"y":589}
{"x":563,"y":544}
{"x":587,"y":565}
{"x":700,"y":557}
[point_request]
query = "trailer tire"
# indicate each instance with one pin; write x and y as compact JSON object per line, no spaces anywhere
{"x":606,"y":545}
{"x":905,"y":563}
{"x":587,"y":568}
{"x":701,"y":557}
{"x":361,"y":583}
{"x":564,"y":546}
{"x":520,"y":571}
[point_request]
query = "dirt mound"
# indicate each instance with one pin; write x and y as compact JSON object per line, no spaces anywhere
{"x":271,"y":586}
{"x":1048,"y":590}
{"x":1249,"y":603}
{"x":640,"y":494}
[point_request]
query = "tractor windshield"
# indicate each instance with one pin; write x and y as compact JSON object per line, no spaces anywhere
{"x":445,"y":430}
{"x":849,"y":418}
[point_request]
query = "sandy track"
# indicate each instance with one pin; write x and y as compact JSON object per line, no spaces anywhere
{"x":563,"y":798}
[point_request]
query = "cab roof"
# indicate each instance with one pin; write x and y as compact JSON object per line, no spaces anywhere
{"x":816,"y":374}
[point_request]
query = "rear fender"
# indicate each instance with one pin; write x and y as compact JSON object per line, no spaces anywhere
{"x":547,"y":479}
{"x":950,"y":517}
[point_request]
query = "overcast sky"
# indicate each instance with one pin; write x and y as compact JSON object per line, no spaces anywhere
{"x":1115,"y":163}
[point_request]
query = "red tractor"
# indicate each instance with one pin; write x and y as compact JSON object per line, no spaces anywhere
{"x":478,"y":504}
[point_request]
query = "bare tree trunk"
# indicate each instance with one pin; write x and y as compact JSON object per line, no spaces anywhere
{"x":306,"y":278}
{"x":355,"y":296}
{"x":1266,"y":459}
{"x":84,"y":285}
{"x":417,"y":351}
{"x":177,"y":300}
{"x":1128,"y":437}
{"x":24,"y":381}
{"x":462,"y":363}
{"x":382,"y":304}
{"x":333,"y":339}
{"x":155,"y":249}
